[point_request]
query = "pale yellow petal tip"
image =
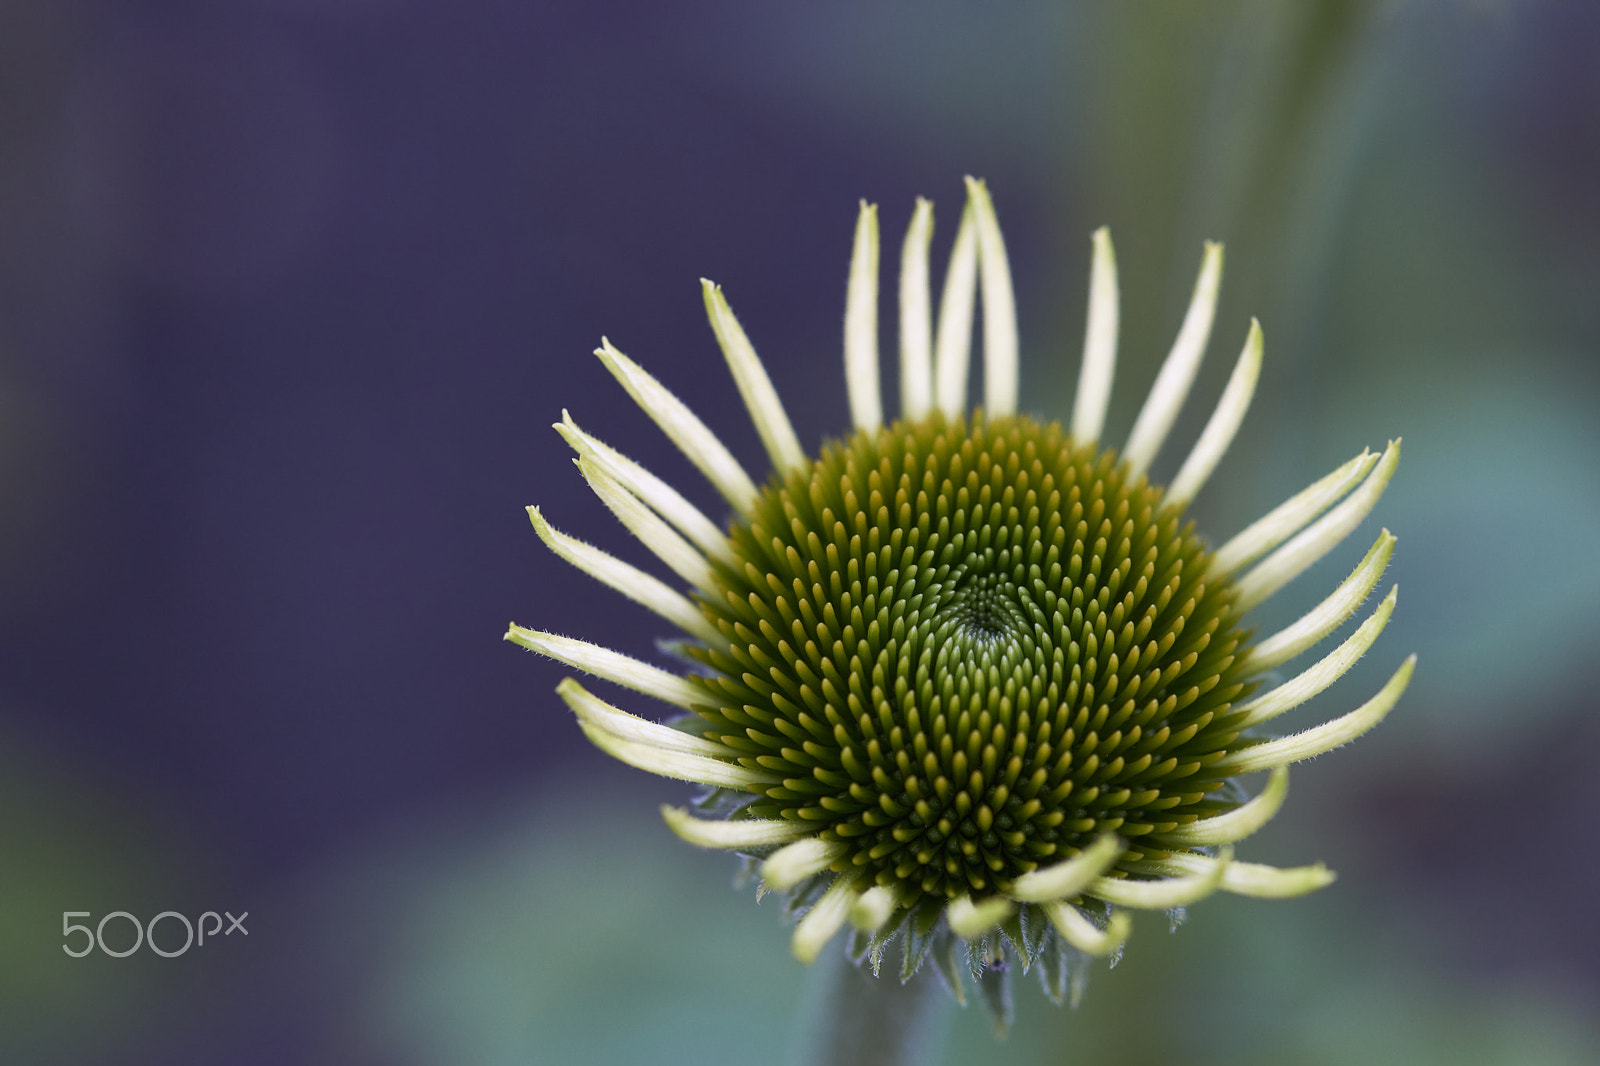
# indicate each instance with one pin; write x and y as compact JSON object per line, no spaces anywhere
{"x":824,"y":920}
{"x":1270,"y":882}
{"x":970,"y":920}
{"x":1167,"y":892}
{"x":1070,"y":877}
{"x":725,"y":833}
{"x":1241,"y":822}
{"x":873,"y":909}
{"x":795,"y":862}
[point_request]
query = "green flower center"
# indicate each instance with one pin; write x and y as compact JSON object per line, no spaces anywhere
{"x":970,"y":649}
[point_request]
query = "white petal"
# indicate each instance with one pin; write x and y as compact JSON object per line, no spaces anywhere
{"x":1164,"y":894}
{"x":1177,"y":373}
{"x":999,"y":307}
{"x":690,"y":434}
{"x":916,"y":318}
{"x":1099,"y":342}
{"x":742,"y":833}
{"x":1076,"y":929}
{"x":612,"y":666}
{"x":1315,"y":679}
{"x":1224,"y":423}
{"x":971,"y":920}
{"x":630,"y":727}
{"x":1245,"y":878}
{"x":760,"y":398}
{"x":1328,"y":615}
{"x":1238,"y":823}
{"x":665,"y":500}
{"x":676,"y":764}
{"x":861,"y":324}
{"x":952,"y":349}
{"x":874,"y":907}
{"x":643,"y":523}
{"x":1291,"y":560}
{"x":823,"y":920}
{"x":1322,"y":738}
{"x":644,"y":589}
{"x":790,"y":865}
{"x":1069,"y":878}
{"x":1283,"y":521}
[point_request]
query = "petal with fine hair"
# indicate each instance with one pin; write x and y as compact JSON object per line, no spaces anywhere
{"x":1099,"y":342}
{"x":1177,"y":373}
{"x":698,"y":443}
{"x":760,"y":398}
{"x":861,"y":324}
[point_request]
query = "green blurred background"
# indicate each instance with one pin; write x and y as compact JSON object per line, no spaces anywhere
{"x":290,"y":291}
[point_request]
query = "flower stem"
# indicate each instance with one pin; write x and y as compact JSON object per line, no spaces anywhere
{"x":875,"y":1021}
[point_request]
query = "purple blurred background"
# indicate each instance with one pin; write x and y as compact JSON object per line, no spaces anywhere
{"x":290,"y":292}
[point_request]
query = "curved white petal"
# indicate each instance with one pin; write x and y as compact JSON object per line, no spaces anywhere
{"x":1328,"y":615}
{"x":1284,"y":520}
{"x":742,"y":833}
{"x":1245,"y":878}
{"x":661,"y":497}
{"x":916,"y":318}
{"x":971,"y":920}
{"x":1172,"y":384}
{"x":1321,"y":738}
{"x":1099,"y":342}
{"x":823,"y":920}
{"x":873,"y":908}
{"x":1291,"y":560}
{"x":1238,"y":823}
{"x":861,"y":324}
{"x":676,"y":764}
{"x":645,"y":524}
{"x":760,"y":398}
{"x":952,"y":348}
{"x":999,"y":307}
{"x":793,"y":863}
{"x":612,"y":666}
{"x":1163,"y":894}
{"x":1222,"y":426}
{"x":647,"y":590}
{"x":1071,"y":877}
{"x":630,"y":727}
{"x":1076,"y":929}
{"x":1316,"y":678}
{"x":681,"y":426}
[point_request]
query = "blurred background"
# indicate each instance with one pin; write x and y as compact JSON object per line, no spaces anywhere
{"x":291,"y":290}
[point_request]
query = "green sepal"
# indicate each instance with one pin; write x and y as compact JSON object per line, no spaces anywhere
{"x":994,"y":989}
{"x":881,"y":938}
{"x":1063,"y":969}
{"x":1099,"y":912}
{"x":921,"y":923}
{"x":984,"y":952}
{"x":806,"y":893}
{"x":749,"y":872}
{"x":1025,"y":931}
{"x":681,"y":649}
{"x":717,"y":802}
{"x":860,"y":942}
{"x":947,"y":952}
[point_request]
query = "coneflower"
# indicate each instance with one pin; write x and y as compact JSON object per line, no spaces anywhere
{"x":967,"y":680}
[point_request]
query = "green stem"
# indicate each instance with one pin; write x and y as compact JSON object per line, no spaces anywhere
{"x":876,"y":1021}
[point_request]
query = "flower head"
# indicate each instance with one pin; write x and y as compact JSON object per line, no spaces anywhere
{"x":968,"y":679}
